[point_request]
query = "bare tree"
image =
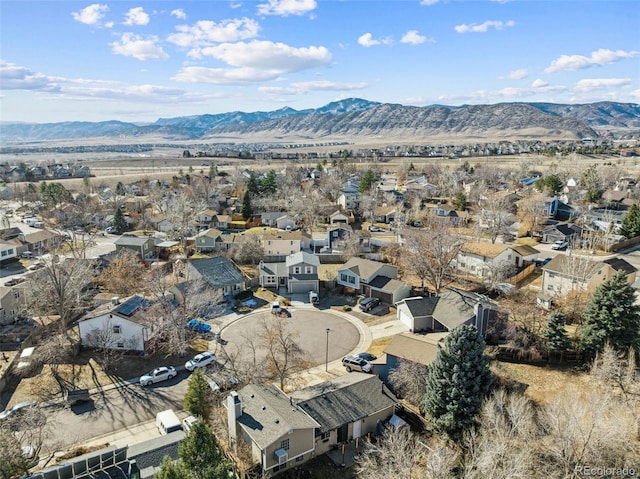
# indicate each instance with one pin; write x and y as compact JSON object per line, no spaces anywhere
{"x":531,"y":211}
{"x":496,"y":217}
{"x":409,"y":381}
{"x":284,"y":356}
{"x":109,"y":345}
{"x":429,"y":252}
{"x":124,"y":275}
{"x":248,"y":251}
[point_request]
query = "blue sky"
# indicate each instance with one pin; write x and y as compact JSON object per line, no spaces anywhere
{"x":140,"y":61}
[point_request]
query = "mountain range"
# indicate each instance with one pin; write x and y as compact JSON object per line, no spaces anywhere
{"x":362,"y":119}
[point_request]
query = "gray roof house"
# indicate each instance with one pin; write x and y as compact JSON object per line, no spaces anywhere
{"x":219,"y":273}
{"x":373,"y":279}
{"x":143,"y":246}
{"x":417,"y":348}
{"x":299,"y":273}
{"x":452,"y":308}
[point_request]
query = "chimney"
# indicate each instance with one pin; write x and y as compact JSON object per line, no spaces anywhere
{"x":234,"y":411}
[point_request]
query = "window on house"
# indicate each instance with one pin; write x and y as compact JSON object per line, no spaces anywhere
{"x":308,"y":270}
{"x":325,"y":436}
{"x":300,"y":458}
{"x":351,"y":280}
{"x":550,"y":287}
{"x":117,"y":329}
{"x":4,"y":253}
{"x":10,"y":251}
{"x":334,"y":234}
{"x":296,"y":270}
{"x":285,"y":444}
{"x":16,"y":294}
{"x":269,"y":242}
{"x":552,"y":275}
{"x":344,"y":278}
{"x":292,"y":243}
{"x":120,"y":345}
{"x":271,"y":279}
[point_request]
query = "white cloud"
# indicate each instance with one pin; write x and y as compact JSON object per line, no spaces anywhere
{"x":538,"y":83}
{"x":179,"y":13}
{"x":224,"y":76}
{"x":367,"y":40}
{"x":578,"y":62}
{"x":136,"y":16}
{"x":135,"y":46}
{"x":428,"y":2}
{"x":484,"y":27}
{"x":414,"y":38}
{"x":269,"y":55}
{"x":300,"y":88}
{"x":518,"y":74}
{"x":205,"y":32}
{"x":91,"y":15}
{"x":15,"y":77}
{"x":590,"y":84}
{"x":285,"y":8}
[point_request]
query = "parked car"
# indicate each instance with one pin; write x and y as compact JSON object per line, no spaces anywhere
{"x":368,"y":304}
{"x":542,"y":262}
{"x":188,"y":422}
{"x":18,"y":408}
{"x":14,"y":281}
{"x":367,"y":356}
{"x":354,"y":363}
{"x":198,"y":326}
{"x":560,"y":244}
{"x":158,"y":374}
{"x":200,"y":360}
{"x":110,"y":229}
{"x":28,"y":255}
{"x":36,"y":265}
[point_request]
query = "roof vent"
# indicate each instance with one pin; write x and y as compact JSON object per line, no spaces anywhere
{"x":277,"y":421}
{"x":264,"y":407}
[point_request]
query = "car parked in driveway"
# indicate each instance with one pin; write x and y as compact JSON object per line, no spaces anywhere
{"x":367,"y":356}
{"x":355,"y":363}
{"x":368,"y":304}
{"x":200,"y":360}
{"x":157,"y":375}
{"x":560,"y":244}
{"x":198,"y":326}
{"x":14,"y":281}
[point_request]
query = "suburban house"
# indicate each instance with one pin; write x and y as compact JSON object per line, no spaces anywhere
{"x":337,"y":233}
{"x":489,"y":259}
{"x":604,"y":219}
{"x":558,"y":210}
{"x":143,"y":246}
{"x":350,"y":197}
{"x":384,"y":214}
{"x":7,"y":251}
{"x":298,"y":273}
{"x":40,"y":241}
{"x":417,"y":348}
{"x":284,"y":431}
{"x":285,"y":243}
{"x":338,"y":217}
{"x":561,"y":232}
{"x":278,"y":433}
{"x":205,"y":217}
{"x":565,"y":274}
{"x":121,"y":326}
{"x":161,"y":222}
{"x":452,"y":308}
{"x":219,"y":273}
{"x":373,"y":279}
{"x":208,"y":240}
{"x":222,"y":222}
{"x":12,"y":302}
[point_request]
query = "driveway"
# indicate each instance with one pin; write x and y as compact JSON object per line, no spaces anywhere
{"x":311,"y":327}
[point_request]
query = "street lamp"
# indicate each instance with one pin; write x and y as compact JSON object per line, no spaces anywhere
{"x":326,"y":358}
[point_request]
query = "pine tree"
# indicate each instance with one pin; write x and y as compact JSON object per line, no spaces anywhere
{"x":367,"y":181}
{"x":252,"y":185}
{"x":246,"y":209}
{"x":460,"y":201}
{"x":457,"y":382}
{"x":611,"y":317}
{"x":197,"y":399}
{"x":631,"y":222}
{"x":171,"y":470}
{"x":119,"y":222}
{"x":555,"y":335}
{"x":200,"y":454}
{"x":268,"y":185}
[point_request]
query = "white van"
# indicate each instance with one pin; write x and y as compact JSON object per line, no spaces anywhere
{"x":167,"y":422}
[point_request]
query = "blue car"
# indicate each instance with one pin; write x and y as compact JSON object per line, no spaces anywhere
{"x":198,"y":326}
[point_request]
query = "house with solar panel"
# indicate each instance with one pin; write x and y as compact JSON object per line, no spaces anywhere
{"x":117,"y":325}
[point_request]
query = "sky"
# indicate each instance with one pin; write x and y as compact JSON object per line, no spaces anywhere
{"x":141,"y":61}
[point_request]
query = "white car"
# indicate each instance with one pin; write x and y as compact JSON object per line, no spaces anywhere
{"x":201,"y":360}
{"x":158,"y":374}
{"x":560,"y":244}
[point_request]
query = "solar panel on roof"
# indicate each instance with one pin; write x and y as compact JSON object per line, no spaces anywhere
{"x":130,"y":306}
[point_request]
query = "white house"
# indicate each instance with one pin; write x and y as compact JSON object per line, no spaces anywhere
{"x":486,"y":259}
{"x":7,"y":251}
{"x":116,"y":326}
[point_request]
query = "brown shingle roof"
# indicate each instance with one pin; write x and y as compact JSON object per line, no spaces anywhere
{"x":488,"y":250}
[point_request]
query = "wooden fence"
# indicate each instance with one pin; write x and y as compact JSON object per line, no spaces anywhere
{"x":514,"y":280}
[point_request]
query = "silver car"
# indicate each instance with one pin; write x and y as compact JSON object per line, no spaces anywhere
{"x":158,"y":374}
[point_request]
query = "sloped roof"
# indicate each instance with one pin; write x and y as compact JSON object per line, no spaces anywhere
{"x":130,"y":240}
{"x":302,"y":257}
{"x":211,"y":233}
{"x":364,"y":268}
{"x":573,"y":266}
{"x":268,"y":414}
{"x":488,"y":250}
{"x":274,"y":269}
{"x":385,"y":284}
{"x":217,"y":271}
{"x":525,"y":249}
{"x":344,"y":400}
{"x":419,"y":306}
{"x":620,"y":264}
{"x":421,"y":349}
{"x":39,"y":236}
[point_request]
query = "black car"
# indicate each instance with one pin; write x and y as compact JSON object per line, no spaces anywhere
{"x":369,"y":303}
{"x":367,"y":357}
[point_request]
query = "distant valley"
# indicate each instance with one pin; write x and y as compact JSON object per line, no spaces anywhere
{"x":351,"y":119}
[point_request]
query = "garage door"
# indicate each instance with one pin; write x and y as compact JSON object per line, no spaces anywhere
{"x":405,"y":319}
{"x":384,"y":297}
{"x":303,"y":287}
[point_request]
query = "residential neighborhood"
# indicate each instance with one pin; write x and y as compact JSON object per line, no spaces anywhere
{"x":318,"y":301}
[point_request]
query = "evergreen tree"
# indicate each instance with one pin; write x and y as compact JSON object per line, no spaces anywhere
{"x":252,"y":185}
{"x":367,"y":181}
{"x":119,"y":222}
{"x":612,"y":316}
{"x":120,"y":190}
{"x":171,"y":470}
{"x":555,"y":335}
{"x":246,"y":209}
{"x":457,"y":382}
{"x":631,"y":222}
{"x":198,"y":400}
{"x":552,"y":184}
{"x":460,"y":201}
{"x":268,"y":185}
{"x":200,"y":454}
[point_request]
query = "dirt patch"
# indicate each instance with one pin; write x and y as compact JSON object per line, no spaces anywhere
{"x":378,"y":345}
